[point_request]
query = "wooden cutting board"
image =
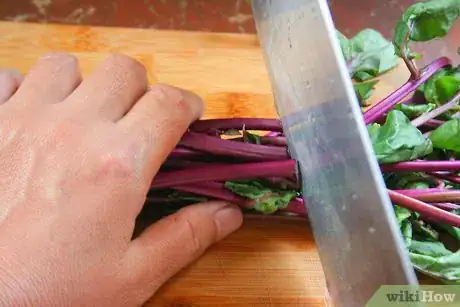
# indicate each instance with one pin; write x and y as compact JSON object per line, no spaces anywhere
{"x":269,"y":261}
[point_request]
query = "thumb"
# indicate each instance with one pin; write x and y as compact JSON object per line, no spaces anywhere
{"x":175,"y":241}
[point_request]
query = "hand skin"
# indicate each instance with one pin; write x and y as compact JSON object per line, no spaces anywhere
{"x":76,"y":161}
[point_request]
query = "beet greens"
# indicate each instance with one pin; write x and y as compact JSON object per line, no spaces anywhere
{"x":415,"y":133}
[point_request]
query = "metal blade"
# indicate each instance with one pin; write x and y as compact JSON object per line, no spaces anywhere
{"x":356,"y":232}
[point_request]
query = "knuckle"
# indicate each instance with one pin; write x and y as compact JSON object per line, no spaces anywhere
{"x":104,"y":162}
{"x":62,"y":58}
{"x":192,"y":240}
{"x":180,"y":100}
{"x":54,"y":134}
{"x":61,"y":131}
{"x":128,"y":63}
{"x":113,"y":165}
{"x":60,"y":65}
{"x":166,"y":93}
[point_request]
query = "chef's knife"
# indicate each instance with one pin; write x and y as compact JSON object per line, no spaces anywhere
{"x":356,"y":232}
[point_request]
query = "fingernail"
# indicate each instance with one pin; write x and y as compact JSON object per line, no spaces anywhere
{"x":228,"y":219}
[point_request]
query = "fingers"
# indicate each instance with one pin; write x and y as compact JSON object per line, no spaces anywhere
{"x":116,"y":84}
{"x":51,"y":80}
{"x":172,"y":243}
{"x":9,"y":82}
{"x":160,"y":118}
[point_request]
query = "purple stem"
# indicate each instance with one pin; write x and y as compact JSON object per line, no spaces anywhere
{"x":415,"y":73}
{"x":414,"y":192}
{"x":212,"y":189}
{"x":274,"y":134}
{"x":432,"y":195}
{"x":214,"y":132}
{"x":424,"y":208}
{"x":217,"y":146}
{"x":433,"y":123}
{"x":295,"y":206}
{"x":217,"y":190}
{"x":407,"y":101}
{"x":225,"y":172}
{"x":387,"y":103}
{"x":451,"y":178}
{"x":265,"y":124}
{"x":446,"y":206}
{"x":182,"y":164}
{"x":436,"y":112}
{"x":440,"y":184}
{"x":267,"y":140}
{"x":422,"y":166}
{"x":180,"y":152}
{"x":277,"y":141}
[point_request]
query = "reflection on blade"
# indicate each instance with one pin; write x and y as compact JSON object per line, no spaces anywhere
{"x":357,"y":235}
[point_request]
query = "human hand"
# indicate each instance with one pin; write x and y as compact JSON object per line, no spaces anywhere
{"x":76,"y":162}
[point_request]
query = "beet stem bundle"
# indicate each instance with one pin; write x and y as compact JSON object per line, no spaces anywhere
{"x":207,"y":164}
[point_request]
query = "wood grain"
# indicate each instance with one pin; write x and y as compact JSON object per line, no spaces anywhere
{"x":268,"y":262}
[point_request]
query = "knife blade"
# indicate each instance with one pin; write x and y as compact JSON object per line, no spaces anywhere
{"x":352,"y":219}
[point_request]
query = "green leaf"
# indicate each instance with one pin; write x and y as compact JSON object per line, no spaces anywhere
{"x":447,"y":136}
{"x":447,"y":87}
{"x":364,"y":90}
{"x":424,"y":230}
{"x":406,"y":230}
{"x":407,"y":180}
{"x":344,"y":45}
{"x":274,"y":202}
{"x":368,"y":54}
{"x":418,"y":185}
{"x":430,"y":256}
{"x":401,"y":213}
{"x":432,"y":19}
{"x":445,"y":269}
{"x":429,"y":87}
{"x":374,"y":132}
{"x":429,"y":248}
{"x":251,"y":137}
{"x":414,"y":110}
{"x":452,"y":230}
{"x":232,"y":132}
{"x":425,"y":21}
{"x":397,"y":140}
{"x":410,"y":180}
{"x":442,"y":86}
{"x":252,"y":189}
{"x":267,"y":200}
{"x":402,"y":216}
{"x":363,"y":75}
{"x":438,"y":154}
{"x":433,"y":259}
